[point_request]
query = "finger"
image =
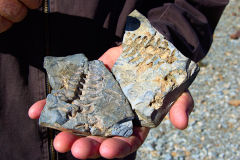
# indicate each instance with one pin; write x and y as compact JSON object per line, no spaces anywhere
{"x":35,"y":110}
{"x":4,"y":24}
{"x":114,"y":148}
{"x":12,"y":10}
{"x":64,"y":141}
{"x":136,"y":140}
{"x":141,"y":133}
{"x":119,"y":147}
{"x":32,"y":4}
{"x":97,"y":138}
{"x":84,"y":148}
{"x":180,"y":109}
{"x":110,"y":56}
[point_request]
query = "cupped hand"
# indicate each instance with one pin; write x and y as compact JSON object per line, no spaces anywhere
{"x":114,"y":147}
{"x":12,"y":11}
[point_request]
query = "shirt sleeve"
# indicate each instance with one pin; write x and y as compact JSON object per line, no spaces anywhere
{"x":188,"y":24}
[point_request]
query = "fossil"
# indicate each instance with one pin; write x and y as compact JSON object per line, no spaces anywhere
{"x":151,"y":71}
{"x":85,"y":98}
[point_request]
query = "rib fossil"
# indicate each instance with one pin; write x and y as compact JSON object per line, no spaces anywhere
{"x":85,"y":99}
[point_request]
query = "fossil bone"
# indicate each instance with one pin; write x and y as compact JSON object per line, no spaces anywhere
{"x":86,"y":99}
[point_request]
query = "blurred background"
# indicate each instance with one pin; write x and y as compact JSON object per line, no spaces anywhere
{"x":214,"y":126}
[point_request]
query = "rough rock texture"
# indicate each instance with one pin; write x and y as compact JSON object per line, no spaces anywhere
{"x":85,"y":99}
{"x":151,"y":71}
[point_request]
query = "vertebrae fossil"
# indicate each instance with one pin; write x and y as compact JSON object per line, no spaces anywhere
{"x":86,"y":100}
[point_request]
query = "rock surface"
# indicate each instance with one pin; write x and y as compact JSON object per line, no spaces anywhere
{"x":151,"y":71}
{"x":86,"y":99}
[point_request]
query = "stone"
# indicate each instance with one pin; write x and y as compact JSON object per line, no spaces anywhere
{"x":151,"y":71}
{"x":234,"y":102}
{"x":236,"y":35}
{"x":85,"y":98}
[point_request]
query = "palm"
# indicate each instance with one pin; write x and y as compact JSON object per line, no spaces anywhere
{"x":114,"y":147}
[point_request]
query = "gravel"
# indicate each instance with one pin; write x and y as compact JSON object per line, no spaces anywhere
{"x":214,"y":127}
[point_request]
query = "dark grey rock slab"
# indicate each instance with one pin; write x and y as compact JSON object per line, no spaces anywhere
{"x":86,"y":99}
{"x":151,"y":71}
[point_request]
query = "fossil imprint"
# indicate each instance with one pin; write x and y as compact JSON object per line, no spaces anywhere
{"x":151,"y":71}
{"x":150,"y":75}
{"x":85,"y":99}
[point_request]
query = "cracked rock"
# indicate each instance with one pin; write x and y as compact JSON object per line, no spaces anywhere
{"x":151,"y":71}
{"x":85,"y":98}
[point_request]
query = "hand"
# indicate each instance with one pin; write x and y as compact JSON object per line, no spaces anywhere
{"x":114,"y":147}
{"x":12,"y":11}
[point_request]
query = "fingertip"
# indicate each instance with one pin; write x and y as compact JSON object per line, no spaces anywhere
{"x":35,"y":110}
{"x":63,"y":141}
{"x":179,"y":111}
{"x":114,"y":148}
{"x":110,"y":56}
{"x":179,"y":120}
{"x":85,"y":148}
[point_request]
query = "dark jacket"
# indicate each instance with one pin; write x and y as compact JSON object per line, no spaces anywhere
{"x":81,"y":26}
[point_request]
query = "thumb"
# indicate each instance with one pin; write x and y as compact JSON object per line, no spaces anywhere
{"x":34,"y":111}
{"x":111,"y":56}
{"x":180,"y":110}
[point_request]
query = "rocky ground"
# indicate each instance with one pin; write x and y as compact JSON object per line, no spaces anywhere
{"x":214,"y":126}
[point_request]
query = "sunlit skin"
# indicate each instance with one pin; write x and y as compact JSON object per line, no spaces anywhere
{"x":113,"y":147}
